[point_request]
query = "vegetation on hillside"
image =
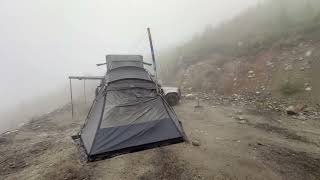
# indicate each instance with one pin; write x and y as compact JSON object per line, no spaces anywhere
{"x":250,"y":32}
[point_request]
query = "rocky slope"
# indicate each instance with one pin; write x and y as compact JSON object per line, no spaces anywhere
{"x":271,"y":58}
{"x":280,"y":78}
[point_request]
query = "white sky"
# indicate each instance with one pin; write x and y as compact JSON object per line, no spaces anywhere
{"x":44,"y":41}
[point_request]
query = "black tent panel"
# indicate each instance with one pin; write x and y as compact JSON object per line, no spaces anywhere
{"x":128,"y":112}
{"x":173,"y":116}
{"x":93,"y":121}
{"x":131,"y":83}
{"x":121,"y":137}
{"x":145,"y":110}
{"x":129,"y":118}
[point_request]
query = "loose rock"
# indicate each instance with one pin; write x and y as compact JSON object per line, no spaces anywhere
{"x":239,"y":112}
{"x":308,"y":89}
{"x":308,"y":53}
{"x":190,"y":96}
{"x":242,"y":122}
{"x":196,"y":143}
{"x":302,"y":117}
{"x":291,"y":110}
{"x":295,"y":110}
{"x":241,"y":118}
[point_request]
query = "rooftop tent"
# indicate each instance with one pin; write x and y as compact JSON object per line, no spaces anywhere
{"x":127,"y":72}
{"x":116,"y":61}
{"x":128,"y":115}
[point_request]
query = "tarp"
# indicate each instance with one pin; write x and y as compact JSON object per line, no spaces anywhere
{"x":127,"y":112}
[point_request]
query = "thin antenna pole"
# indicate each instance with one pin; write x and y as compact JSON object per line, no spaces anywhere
{"x":153,"y":58}
{"x":71,"y":98}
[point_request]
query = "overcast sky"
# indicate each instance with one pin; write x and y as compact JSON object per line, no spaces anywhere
{"x":44,"y":41}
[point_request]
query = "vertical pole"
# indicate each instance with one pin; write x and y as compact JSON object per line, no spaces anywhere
{"x":153,"y":58}
{"x":84,"y":91}
{"x":71,"y":98}
{"x":106,"y":63}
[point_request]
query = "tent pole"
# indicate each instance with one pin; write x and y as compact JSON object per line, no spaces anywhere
{"x":71,"y":99}
{"x":153,"y":59}
{"x":84,"y":90}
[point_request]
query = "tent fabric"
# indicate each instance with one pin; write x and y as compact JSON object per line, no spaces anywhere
{"x":118,"y":64}
{"x":132,"y":83}
{"x":127,"y":73}
{"x":116,"y":61}
{"x":92,"y":122}
{"x":127,"y":112}
{"x":133,"y":109}
{"x":120,"y":57}
{"x":111,"y":139}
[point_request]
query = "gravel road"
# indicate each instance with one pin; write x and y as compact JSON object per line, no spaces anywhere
{"x":225,"y":143}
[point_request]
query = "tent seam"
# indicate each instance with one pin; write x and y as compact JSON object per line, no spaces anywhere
{"x":102,"y":112}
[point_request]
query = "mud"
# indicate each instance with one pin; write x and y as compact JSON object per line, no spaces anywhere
{"x":289,"y":163}
{"x":229,"y":150}
{"x":167,"y":165}
{"x":16,"y":159}
{"x":70,"y":169}
{"x":281,"y":131}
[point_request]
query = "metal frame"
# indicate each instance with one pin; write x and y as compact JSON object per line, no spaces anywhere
{"x":84,"y":78}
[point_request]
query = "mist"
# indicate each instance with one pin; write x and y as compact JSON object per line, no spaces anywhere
{"x":42,"y":42}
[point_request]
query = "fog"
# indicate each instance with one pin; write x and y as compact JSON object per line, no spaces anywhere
{"x":42,"y":42}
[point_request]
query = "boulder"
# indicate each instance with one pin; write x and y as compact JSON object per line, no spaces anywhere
{"x":295,"y":110}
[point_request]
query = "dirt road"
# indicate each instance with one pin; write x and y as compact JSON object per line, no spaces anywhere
{"x":235,"y":143}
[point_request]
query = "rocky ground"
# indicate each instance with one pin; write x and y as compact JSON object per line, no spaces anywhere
{"x":230,"y":138}
{"x":283,"y":74}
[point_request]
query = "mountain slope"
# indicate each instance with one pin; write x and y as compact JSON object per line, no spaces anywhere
{"x":270,"y":49}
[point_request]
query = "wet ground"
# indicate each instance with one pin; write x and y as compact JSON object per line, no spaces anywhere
{"x":255,"y":146}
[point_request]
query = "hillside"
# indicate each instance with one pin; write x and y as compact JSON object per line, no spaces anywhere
{"x":271,"y":49}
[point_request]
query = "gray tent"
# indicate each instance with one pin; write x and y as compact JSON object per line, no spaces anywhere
{"x":127,"y":114}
